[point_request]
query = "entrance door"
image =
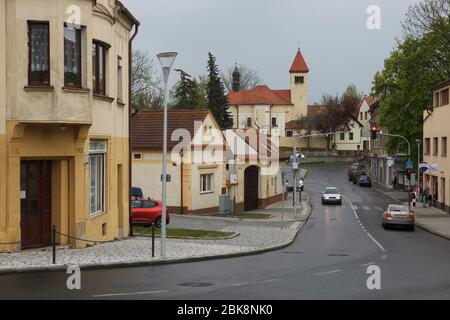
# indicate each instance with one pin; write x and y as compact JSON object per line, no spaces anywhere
{"x":251,"y":189}
{"x":35,"y":203}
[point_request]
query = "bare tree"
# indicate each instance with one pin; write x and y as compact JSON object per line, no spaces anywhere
{"x":146,"y":86}
{"x":428,"y":16}
{"x":249,"y":78}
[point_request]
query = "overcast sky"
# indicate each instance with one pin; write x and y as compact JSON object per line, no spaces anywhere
{"x":264,"y":35}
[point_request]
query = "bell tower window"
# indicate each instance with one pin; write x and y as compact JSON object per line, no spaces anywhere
{"x":299,"y":80}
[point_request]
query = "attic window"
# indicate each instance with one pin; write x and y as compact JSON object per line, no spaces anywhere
{"x":137,"y":156}
{"x":299,"y":80}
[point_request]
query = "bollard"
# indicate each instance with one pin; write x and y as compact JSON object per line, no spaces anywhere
{"x":153,"y":240}
{"x":54,"y":244}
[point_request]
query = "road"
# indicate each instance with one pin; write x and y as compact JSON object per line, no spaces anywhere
{"x":328,"y":260}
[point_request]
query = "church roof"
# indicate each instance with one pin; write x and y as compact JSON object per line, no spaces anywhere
{"x":260,"y":95}
{"x":299,"y":64}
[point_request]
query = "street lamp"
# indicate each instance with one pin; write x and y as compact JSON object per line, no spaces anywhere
{"x":419,"y":142}
{"x":166,"y":60}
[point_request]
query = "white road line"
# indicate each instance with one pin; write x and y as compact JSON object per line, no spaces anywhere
{"x":367,"y":264}
{"x":370,"y":236}
{"x":354,"y":207}
{"x":378,"y":208}
{"x":328,"y":272}
{"x":366,"y":208}
{"x":251,"y":283}
{"x":127,"y":294}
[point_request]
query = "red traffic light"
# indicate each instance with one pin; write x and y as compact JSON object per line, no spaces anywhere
{"x":374,"y":128}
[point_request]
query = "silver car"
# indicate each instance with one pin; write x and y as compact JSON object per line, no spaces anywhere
{"x":398,"y":215}
{"x":331,"y":195}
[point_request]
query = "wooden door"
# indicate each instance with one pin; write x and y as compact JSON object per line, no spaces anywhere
{"x":35,"y":203}
{"x":251,"y":189}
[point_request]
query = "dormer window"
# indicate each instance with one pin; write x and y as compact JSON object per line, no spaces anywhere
{"x":299,"y":80}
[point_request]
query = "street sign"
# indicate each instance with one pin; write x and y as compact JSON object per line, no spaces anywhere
{"x":409,"y":165}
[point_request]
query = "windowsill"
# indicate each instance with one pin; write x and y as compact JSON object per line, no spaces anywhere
{"x":76,"y":89}
{"x":121,"y":103}
{"x":93,"y":216}
{"x":206,"y":192}
{"x":103,"y":97}
{"x":39,"y":88}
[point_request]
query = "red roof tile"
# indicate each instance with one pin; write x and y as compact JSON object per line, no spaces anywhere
{"x":368,"y":100}
{"x":299,"y":64}
{"x":147,"y":127}
{"x":260,"y":95}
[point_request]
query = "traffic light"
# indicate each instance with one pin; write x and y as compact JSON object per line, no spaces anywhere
{"x":408,"y":174}
{"x":374,"y":130}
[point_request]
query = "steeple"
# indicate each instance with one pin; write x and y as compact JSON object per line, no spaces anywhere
{"x":236,"y":79}
{"x":299,"y":65}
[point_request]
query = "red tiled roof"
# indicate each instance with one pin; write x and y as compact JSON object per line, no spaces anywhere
{"x":260,"y":95}
{"x":315,"y":109}
{"x":299,"y":64}
{"x":368,"y":100}
{"x":147,"y":127}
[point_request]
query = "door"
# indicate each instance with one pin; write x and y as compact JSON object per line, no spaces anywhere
{"x":251,"y":188}
{"x":35,"y":203}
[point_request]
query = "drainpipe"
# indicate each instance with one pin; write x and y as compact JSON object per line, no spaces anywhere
{"x":130,"y":54}
{"x":181,"y":181}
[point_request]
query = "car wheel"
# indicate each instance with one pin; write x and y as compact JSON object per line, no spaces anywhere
{"x":157,"y":222}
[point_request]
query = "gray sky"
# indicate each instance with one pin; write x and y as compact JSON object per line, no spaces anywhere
{"x":264,"y":35}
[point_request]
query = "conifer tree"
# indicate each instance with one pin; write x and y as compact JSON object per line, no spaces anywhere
{"x":186,"y":94}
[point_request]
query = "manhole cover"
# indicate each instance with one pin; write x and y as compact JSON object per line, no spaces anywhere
{"x":195,"y":284}
{"x":338,"y":255}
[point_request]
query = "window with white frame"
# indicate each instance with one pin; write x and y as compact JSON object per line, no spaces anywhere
{"x":97,"y":156}
{"x":206,"y":183}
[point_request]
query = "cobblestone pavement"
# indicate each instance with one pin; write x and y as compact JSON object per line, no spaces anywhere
{"x":254,"y":235}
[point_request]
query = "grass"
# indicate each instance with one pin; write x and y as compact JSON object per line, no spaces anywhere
{"x":183,"y":233}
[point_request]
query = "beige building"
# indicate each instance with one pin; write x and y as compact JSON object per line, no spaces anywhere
{"x":364,"y":119}
{"x":349,"y":137}
{"x":63,"y":121}
{"x":204,"y":163}
{"x":270,"y":110}
{"x":436,"y":133}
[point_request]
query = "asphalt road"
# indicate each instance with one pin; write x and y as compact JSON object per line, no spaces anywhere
{"x":328,"y":260}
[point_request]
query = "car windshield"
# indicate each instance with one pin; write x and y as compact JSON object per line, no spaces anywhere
{"x":364,"y":178}
{"x":398,"y":209}
{"x":331,"y":191}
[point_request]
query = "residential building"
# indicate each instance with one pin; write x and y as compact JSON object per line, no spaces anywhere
{"x":349,"y":139}
{"x":204,"y":163}
{"x":269,"y":110}
{"x":436,"y":133}
{"x":364,"y":119}
{"x":63,"y":121}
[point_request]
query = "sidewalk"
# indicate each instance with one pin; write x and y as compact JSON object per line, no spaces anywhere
{"x":430,"y":219}
{"x":255,"y":236}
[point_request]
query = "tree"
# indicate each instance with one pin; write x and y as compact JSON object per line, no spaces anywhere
{"x":146,"y":87}
{"x":249,"y":78}
{"x":352,"y":92}
{"x":186,"y":95}
{"x":217,"y":98}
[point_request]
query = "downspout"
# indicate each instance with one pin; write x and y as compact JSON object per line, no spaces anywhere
{"x":181,"y":179}
{"x":130,"y":54}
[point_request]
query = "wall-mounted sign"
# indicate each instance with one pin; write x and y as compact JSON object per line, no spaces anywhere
{"x":23,"y":194}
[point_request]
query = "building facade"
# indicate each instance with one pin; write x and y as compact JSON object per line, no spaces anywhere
{"x":436,"y":132}
{"x":364,"y":118}
{"x":63,"y":121}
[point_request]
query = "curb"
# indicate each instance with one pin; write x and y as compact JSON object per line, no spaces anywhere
{"x":234,"y":235}
{"x":306,"y":210}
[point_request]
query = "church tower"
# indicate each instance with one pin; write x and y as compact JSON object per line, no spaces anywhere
{"x":236,"y":86}
{"x":299,"y":86}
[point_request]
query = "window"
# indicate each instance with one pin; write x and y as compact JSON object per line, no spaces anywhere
{"x":342,"y":136}
{"x":119,"y":79}
{"x":149,"y":204}
{"x":72,"y":56}
{"x":427,"y":147}
{"x":444,"y":97}
{"x":99,"y":67}
{"x":435,"y":146}
{"x":97,"y":154}
{"x":137,"y":156}
{"x":249,"y":122}
{"x":350,"y":135}
{"x":444,"y":146}
{"x":205,"y":183}
{"x":275,"y":188}
{"x":366,"y":115}
{"x":299,"y":80}
{"x":360,"y":116}
{"x":289,"y":133}
{"x":436,"y":99}
{"x":274,"y":121}
{"x":39,"y":54}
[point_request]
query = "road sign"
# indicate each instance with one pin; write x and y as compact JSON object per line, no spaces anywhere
{"x":409,"y":165}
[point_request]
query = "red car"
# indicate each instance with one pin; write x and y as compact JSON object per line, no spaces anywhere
{"x":145,"y":211}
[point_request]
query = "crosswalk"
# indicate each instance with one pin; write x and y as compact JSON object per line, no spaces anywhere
{"x":367,"y":208}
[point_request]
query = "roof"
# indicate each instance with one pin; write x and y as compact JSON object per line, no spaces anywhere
{"x":127,"y":13}
{"x":312,"y":111}
{"x":315,"y":109}
{"x":260,"y":95}
{"x":441,"y":85}
{"x":368,"y":100}
{"x":98,"y":7}
{"x":147,"y":127}
{"x":299,"y":64}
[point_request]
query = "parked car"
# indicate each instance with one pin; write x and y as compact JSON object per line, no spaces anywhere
{"x":364,"y":181}
{"x":331,"y":195}
{"x":136,"y":192}
{"x":145,"y":212}
{"x":398,"y":215}
{"x":355,"y":168}
{"x":357,"y":174}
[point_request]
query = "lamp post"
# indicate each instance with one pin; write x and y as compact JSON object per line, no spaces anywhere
{"x":166,"y":60}
{"x":419,"y":142}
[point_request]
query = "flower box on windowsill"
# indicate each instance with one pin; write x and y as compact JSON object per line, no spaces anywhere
{"x":103,"y":97}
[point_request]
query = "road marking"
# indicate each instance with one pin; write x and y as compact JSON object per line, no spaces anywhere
{"x":328,"y":272}
{"x":251,"y":283}
{"x":128,"y":294}
{"x":354,"y":207}
{"x":366,"y":208}
{"x":378,"y":208}
{"x":370,"y":236}
{"x":367,"y":264}
{"x":384,"y":256}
